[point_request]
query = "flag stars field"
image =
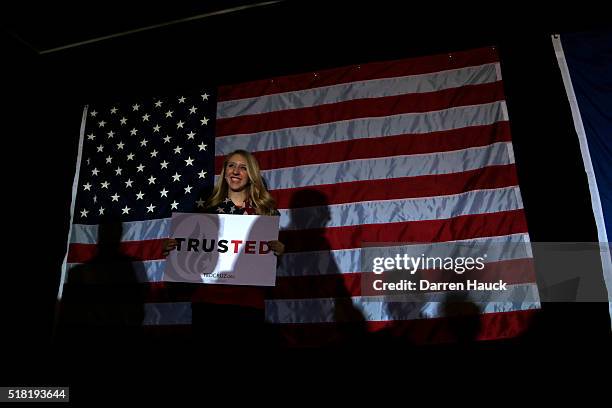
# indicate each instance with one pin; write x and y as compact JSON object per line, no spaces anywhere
{"x":152,"y":154}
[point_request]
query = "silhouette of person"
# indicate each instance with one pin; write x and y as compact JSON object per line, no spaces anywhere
{"x":103,"y":300}
{"x":349,"y":324}
{"x":463,"y":317}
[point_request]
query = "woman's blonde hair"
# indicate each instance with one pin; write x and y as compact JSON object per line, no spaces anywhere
{"x":256,"y":191}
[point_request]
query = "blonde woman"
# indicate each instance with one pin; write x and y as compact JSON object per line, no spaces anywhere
{"x":228,"y":314}
{"x":240,"y":190}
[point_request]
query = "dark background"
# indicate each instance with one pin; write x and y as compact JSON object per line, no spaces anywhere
{"x":42,"y":108}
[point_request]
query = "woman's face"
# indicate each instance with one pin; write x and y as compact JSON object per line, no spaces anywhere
{"x":236,"y":174}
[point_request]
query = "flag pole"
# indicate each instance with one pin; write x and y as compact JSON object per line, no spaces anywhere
{"x":75,"y":186}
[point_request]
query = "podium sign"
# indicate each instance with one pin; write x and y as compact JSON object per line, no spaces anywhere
{"x":222,"y":249}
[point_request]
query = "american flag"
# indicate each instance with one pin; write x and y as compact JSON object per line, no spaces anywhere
{"x":414,"y":150}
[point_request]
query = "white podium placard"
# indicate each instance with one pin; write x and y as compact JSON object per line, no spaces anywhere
{"x":222,"y":249}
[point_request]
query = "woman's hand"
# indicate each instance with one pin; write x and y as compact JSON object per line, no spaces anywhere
{"x":169,"y":245}
{"x":277,"y":246}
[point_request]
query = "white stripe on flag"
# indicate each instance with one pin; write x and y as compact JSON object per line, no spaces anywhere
{"x":160,"y":314}
{"x":144,"y":271}
{"x":374,"y":88}
{"x":409,"y":209}
{"x":388,"y":167}
{"x":364,"y":128}
{"x":131,"y":231}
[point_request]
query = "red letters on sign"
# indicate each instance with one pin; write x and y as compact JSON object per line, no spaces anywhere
{"x":261,"y":247}
{"x":236,"y":242}
{"x":249,"y":247}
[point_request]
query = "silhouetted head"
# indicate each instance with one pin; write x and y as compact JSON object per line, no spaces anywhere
{"x":109,"y":236}
{"x":464,"y":317}
{"x":318,"y":211}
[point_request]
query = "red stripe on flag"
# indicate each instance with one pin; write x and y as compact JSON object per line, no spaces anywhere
{"x":248,"y":296}
{"x":360,"y":108}
{"x":172,"y":332}
{"x":354,"y":73}
{"x":166,"y":292}
{"x":406,"y":187}
{"x":489,"y":326}
{"x":405,"y":144}
{"x":138,"y":250}
{"x":461,"y":227}
{"x":76,"y":291}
